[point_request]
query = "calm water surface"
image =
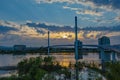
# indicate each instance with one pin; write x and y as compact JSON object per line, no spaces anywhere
{"x":10,"y":60}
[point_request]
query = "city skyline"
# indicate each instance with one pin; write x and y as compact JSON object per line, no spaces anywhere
{"x":27,"y":21}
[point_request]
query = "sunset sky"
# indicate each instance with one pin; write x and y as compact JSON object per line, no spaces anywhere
{"x":27,"y":21}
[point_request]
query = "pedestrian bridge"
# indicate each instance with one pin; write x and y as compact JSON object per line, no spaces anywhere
{"x":106,"y":48}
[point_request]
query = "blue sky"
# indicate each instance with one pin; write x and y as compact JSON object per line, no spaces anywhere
{"x":90,"y":13}
{"x":23,"y":10}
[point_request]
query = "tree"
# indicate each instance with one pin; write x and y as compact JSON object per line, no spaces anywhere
{"x":39,"y":74}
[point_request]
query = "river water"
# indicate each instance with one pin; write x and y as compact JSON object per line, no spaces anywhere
{"x":12,"y":60}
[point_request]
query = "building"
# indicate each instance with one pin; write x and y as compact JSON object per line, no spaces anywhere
{"x":104,"y":41}
{"x":19,"y":47}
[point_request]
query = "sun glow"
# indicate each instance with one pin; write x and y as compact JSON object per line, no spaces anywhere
{"x":64,"y":36}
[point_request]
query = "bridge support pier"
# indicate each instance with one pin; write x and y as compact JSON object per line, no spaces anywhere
{"x":113,"y":56}
{"x":102,"y":57}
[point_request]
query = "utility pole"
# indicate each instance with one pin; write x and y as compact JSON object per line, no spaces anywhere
{"x":76,"y":49}
{"x":48,"y":43}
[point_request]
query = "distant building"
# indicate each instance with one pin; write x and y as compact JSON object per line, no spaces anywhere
{"x":104,"y":41}
{"x":19,"y":47}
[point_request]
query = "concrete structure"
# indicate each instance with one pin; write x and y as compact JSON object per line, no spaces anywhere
{"x":104,"y":41}
{"x":106,"y":56}
{"x":80,"y":45}
{"x":113,"y":56}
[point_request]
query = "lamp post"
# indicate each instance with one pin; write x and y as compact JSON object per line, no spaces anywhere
{"x":48,"y":43}
{"x":76,"y":49}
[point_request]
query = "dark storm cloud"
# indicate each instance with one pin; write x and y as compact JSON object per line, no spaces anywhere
{"x":114,"y":3}
{"x":4,"y":29}
{"x":53,"y":28}
{"x":70,"y":29}
{"x":103,"y":28}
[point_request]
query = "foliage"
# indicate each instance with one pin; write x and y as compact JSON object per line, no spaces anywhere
{"x":112,"y":70}
{"x":40,"y":74}
{"x":36,"y":68}
{"x":26,"y":65}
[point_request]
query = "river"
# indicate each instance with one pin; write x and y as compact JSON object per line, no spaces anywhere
{"x":12,"y":60}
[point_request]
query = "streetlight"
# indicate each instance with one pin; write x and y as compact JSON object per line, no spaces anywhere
{"x":48,"y":43}
{"x":76,"y":49}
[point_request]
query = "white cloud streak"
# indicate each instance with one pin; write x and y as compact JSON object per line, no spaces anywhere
{"x":84,"y":11}
{"x":89,"y":12}
{"x":87,"y":3}
{"x":89,"y":7}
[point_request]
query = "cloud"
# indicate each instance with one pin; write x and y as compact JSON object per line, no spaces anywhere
{"x":50,"y":27}
{"x":36,"y":33}
{"x":84,"y":11}
{"x":85,"y":33}
{"x":94,"y":8}
{"x":89,"y":12}
{"x":66,"y":7}
{"x":113,"y":3}
{"x":53,"y":1}
{"x":4,"y":29}
{"x":89,"y":7}
{"x":117,"y":19}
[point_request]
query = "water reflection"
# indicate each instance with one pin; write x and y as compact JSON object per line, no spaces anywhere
{"x":64,"y":59}
{"x":9,"y":59}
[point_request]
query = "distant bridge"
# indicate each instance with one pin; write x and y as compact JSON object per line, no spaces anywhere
{"x":108,"y":48}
